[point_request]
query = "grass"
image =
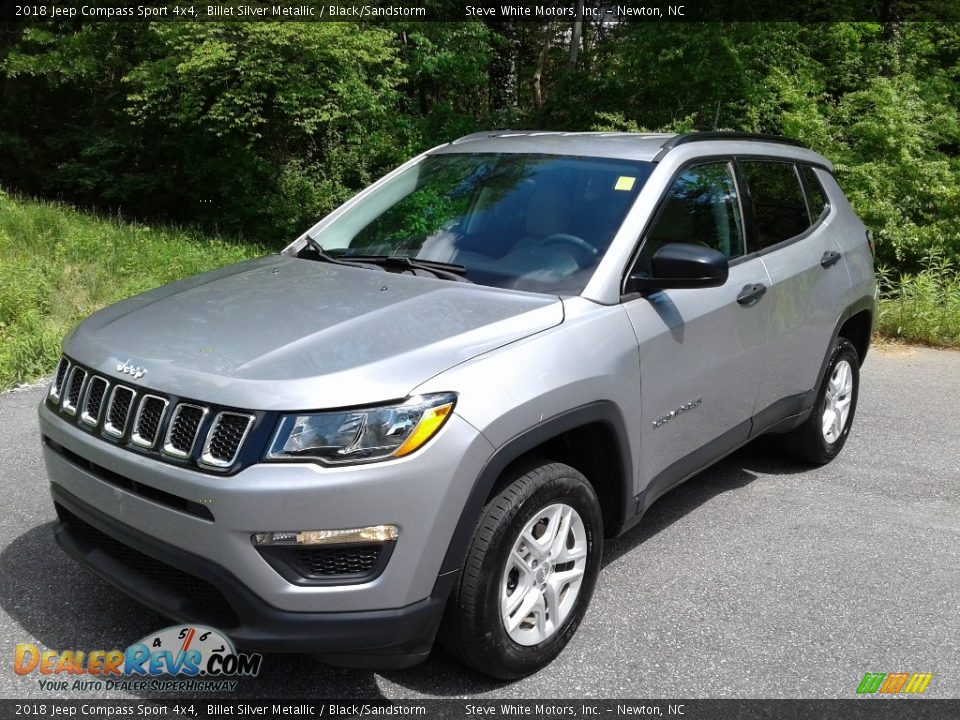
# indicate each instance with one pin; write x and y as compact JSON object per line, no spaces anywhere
{"x":922,"y":308}
{"x":58,"y":265}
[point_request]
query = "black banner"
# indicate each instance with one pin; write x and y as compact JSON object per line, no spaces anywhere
{"x":860,"y":709}
{"x":479,"y":10}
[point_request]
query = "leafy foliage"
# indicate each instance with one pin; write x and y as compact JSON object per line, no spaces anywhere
{"x":922,"y":307}
{"x":256,"y":129}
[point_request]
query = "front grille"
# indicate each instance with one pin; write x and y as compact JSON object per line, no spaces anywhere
{"x":223,"y":442}
{"x":147,"y":423}
{"x":328,"y":562}
{"x":74,"y":386}
{"x":120,"y":401}
{"x":59,"y":376}
{"x":96,"y":392}
{"x":203,"y":600}
{"x":182,"y":433}
{"x":170,"y":428}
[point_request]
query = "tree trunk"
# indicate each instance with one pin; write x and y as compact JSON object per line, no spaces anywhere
{"x":503,"y":65}
{"x":536,"y":80}
{"x":575,"y":38}
{"x":892,"y":36}
{"x":586,"y":39}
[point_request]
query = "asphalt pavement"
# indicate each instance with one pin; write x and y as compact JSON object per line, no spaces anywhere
{"x":758,"y":578}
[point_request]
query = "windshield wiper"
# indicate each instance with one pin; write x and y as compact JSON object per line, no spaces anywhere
{"x":323,"y":255}
{"x":445,"y":271}
{"x":442,"y":270}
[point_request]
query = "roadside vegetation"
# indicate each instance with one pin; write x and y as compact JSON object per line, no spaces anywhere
{"x":58,"y":265}
{"x":921,"y":307}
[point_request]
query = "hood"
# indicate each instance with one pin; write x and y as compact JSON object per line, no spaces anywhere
{"x":280,"y":333}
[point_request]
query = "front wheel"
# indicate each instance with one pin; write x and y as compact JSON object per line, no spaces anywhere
{"x":823,"y":434}
{"x":529,"y":574}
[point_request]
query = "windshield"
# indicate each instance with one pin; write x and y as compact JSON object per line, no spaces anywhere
{"x":527,"y":222}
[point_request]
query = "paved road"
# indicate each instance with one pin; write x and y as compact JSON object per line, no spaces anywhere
{"x":758,"y":578}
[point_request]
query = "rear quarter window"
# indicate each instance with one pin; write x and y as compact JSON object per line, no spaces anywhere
{"x":778,"y":201}
{"x":816,"y":198}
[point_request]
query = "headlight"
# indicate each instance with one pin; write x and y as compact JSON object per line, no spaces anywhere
{"x":356,"y":436}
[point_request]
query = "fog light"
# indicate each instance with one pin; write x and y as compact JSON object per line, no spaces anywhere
{"x":376,"y":533}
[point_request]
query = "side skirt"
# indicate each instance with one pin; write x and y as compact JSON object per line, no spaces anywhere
{"x":782,"y":416}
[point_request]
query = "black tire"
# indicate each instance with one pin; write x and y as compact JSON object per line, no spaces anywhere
{"x":472,"y":629}
{"x":807,"y":442}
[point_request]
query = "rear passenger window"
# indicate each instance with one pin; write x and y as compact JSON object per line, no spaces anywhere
{"x":816,"y":200}
{"x":779,"y":206}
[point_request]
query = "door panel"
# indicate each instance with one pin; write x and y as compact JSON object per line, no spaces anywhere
{"x":697,"y":347}
{"x":793,"y":228}
{"x":804,"y":298}
{"x":699,"y":367}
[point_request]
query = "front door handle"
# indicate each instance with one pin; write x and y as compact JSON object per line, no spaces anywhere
{"x":751,"y":294}
{"x":830,"y":257}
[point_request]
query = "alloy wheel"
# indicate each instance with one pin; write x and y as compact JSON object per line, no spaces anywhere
{"x":838,"y":396}
{"x":543,"y":574}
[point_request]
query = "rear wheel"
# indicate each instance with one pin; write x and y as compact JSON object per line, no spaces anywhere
{"x":529,"y":574}
{"x":823,"y":435}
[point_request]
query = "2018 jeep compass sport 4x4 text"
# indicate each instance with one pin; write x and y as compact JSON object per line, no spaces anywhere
{"x":421,"y":419}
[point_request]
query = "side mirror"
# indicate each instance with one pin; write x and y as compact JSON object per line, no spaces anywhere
{"x":682,"y":265}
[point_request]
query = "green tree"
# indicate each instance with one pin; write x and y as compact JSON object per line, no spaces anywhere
{"x":253,"y":128}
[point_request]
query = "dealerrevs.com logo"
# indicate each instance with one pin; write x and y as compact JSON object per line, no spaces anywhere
{"x":198,"y":658}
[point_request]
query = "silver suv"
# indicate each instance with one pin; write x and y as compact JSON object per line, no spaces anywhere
{"x":423,"y":417}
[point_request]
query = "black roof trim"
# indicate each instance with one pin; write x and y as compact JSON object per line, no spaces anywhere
{"x":704,"y":136}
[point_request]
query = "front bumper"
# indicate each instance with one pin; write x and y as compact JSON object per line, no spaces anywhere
{"x":188,"y":588}
{"x":156,"y":516}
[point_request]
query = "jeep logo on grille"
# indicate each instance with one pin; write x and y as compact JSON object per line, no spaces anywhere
{"x":134,"y":370}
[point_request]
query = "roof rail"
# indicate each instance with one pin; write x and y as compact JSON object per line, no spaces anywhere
{"x":483,"y":134}
{"x":726,"y":135}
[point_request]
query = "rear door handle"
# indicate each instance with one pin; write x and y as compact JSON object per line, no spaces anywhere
{"x":830,"y":257}
{"x":751,"y":294}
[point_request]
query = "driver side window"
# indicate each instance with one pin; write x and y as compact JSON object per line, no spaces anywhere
{"x":701,"y":207}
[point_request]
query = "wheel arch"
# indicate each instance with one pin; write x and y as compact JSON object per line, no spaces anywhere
{"x":857,"y":328}
{"x":571,"y":437}
{"x":856,"y":319}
